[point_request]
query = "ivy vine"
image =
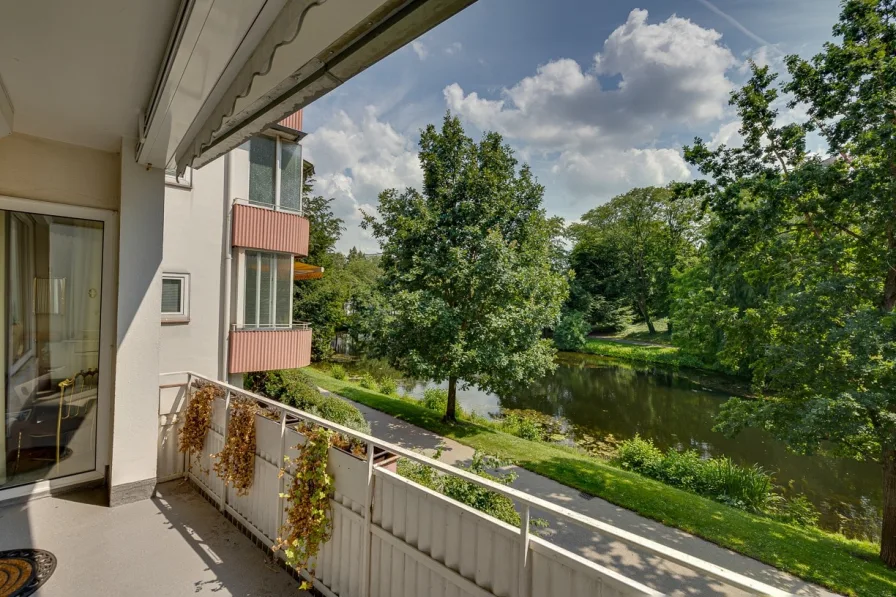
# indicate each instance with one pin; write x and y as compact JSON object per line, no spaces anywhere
{"x":236,"y":462}
{"x":308,"y":523}
{"x":198,"y":419}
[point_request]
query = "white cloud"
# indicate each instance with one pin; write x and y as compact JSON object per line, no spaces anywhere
{"x":454,"y":48}
{"x":354,"y":160}
{"x":662,"y":77}
{"x":421,"y":50}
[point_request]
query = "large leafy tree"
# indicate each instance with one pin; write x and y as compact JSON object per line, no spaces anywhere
{"x":627,"y":249}
{"x":815,"y":243}
{"x":469,"y":266}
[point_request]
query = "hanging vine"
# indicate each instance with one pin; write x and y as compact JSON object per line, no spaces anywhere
{"x":236,"y":462}
{"x":308,"y":523}
{"x":198,"y":419}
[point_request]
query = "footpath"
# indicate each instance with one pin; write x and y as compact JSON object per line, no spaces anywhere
{"x":651,"y":570}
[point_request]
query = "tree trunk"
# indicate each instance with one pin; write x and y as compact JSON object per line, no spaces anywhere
{"x":642,"y":305}
{"x":450,"y":409}
{"x":888,"y":531}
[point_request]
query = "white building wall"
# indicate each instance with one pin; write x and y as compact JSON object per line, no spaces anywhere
{"x":136,"y":396}
{"x":195,"y":237}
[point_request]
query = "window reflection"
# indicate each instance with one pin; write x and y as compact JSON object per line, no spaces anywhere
{"x":51,"y":317}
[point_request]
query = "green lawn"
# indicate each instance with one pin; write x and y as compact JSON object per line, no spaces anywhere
{"x":663,"y":355}
{"x":640,"y":331}
{"x":842,"y":565}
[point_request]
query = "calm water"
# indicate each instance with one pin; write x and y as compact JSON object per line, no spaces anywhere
{"x":600,"y":397}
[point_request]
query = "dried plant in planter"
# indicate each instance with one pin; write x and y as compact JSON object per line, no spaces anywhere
{"x":236,"y":462}
{"x":308,"y":524}
{"x":198,"y":419}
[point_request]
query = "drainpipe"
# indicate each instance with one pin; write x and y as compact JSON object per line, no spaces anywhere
{"x":227,"y":291}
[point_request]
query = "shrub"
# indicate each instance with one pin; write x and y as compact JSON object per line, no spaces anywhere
{"x":571,"y":331}
{"x":388,"y":386}
{"x":338,"y":372}
{"x":745,"y":487}
{"x":435,"y":399}
{"x":292,"y":387}
{"x":799,"y":511}
{"x":641,"y":456}
{"x":521,"y":426}
{"x":369,"y":382}
{"x":466,"y":492}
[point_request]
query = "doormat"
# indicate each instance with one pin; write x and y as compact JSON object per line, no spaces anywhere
{"x":23,"y":571}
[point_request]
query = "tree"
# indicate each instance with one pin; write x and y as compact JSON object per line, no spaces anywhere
{"x":469,"y":281}
{"x":347,"y":282}
{"x":627,"y":249}
{"x":324,"y":227}
{"x":814,"y":242}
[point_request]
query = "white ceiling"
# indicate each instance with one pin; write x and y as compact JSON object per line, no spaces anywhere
{"x":81,"y":71}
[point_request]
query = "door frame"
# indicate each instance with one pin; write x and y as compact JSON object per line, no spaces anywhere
{"x":108,"y":315}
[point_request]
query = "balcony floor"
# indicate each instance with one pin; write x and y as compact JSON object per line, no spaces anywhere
{"x":174,"y":544}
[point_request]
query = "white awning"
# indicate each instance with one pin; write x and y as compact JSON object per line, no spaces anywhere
{"x":229,"y":74}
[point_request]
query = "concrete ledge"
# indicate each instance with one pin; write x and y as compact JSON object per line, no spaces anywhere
{"x":127,"y":493}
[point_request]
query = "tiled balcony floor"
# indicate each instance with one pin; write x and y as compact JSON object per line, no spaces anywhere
{"x":174,"y":544}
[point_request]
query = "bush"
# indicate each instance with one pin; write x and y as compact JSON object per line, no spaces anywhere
{"x":571,"y":331}
{"x":466,"y":492}
{"x":435,"y":399}
{"x":799,"y":511}
{"x":745,"y":487}
{"x":388,"y":386}
{"x":521,"y":426}
{"x":294,"y":388}
{"x":641,"y":456}
{"x":369,"y":382}
{"x":338,"y":372}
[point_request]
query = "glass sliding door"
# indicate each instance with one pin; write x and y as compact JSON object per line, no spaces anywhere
{"x":50,"y":305}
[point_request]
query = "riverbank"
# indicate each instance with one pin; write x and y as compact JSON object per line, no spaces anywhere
{"x":645,"y":353}
{"x":846,"y":566}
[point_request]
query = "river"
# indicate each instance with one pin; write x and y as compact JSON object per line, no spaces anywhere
{"x":599,"y":397}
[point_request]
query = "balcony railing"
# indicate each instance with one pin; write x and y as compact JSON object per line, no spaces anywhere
{"x":392,"y":537}
{"x":270,"y":347}
{"x":267,"y":229}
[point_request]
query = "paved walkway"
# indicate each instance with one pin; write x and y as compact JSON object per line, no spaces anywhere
{"x":650,"y":570}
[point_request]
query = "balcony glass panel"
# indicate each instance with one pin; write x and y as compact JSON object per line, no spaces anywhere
{"x":262,"y":170}
{"x":290,"y":176}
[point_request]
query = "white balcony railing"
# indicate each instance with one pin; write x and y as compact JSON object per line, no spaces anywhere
{"x":392,"y":537}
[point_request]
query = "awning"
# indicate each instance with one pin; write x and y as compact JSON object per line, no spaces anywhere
{"x":306,"y":271}
{"x":233,"y":68}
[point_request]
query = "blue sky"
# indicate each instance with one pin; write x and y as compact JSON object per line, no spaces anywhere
{"x":598,"y":97}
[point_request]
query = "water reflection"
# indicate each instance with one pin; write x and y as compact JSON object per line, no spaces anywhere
{"x":602,"y":397}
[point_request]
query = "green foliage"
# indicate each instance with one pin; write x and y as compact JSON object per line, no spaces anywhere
{"x":625,"y":252}
{"x":341,"y":300}
{"x":435,"y":399}
{"x":469,"y":264}
{"x":293,"y":387}
{"x":800,"y":252}
{"x":571,"y":331}
{"x":530,"y":424}
{"x":842,"y":565}
{"x":388,"y":385}
{"x":368,"y":381}
{"x":308,"y":523}
{"x":797,"y":510}
{"x":338,"y":372}
{"x":665,"y":355}
{"x":324,"y":227}
{"x":469,"y":493}
{"x":748,"y":488}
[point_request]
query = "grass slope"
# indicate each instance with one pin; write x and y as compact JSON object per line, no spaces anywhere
{"x":842,"y":565}
{"x":663,"y":355}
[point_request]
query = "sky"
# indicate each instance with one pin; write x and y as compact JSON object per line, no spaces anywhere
{"x":598,"y":96}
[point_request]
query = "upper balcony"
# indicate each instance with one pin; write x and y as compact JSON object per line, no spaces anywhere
{"x":267,"y":229}
{"x":270,"y":348}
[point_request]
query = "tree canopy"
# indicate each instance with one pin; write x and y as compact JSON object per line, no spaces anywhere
{"x":800,"y":268}
{"x":469,"y":266}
